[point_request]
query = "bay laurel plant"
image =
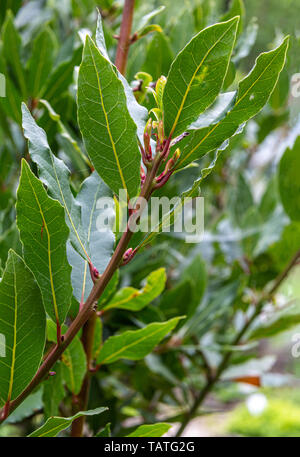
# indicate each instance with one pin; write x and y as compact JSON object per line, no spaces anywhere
{"x":55,"y":296}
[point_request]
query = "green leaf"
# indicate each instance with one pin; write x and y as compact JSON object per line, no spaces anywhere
{"x":23,"y":325}
{"x":279,"y":321}
{"x":187,"y":293}
{"x":54,"y":425}
{"x":159,"y":56}
{"x":196,"y":76}
{"x":74,"y":363}
{"x":151,"y":431}
{"x":135,"y":344}
{"x":246,"y":41}
{"x":60,"y":78}
{"x":98,"y":244}
{"x":216,"y":112}
{"x":146,"y":18}
{"x":53,"y":391}
{"x":237,"y":8}
{"x":148,"y":29}
{"x":55,"y":175}
{"x":289,"y":183}
{"x":44,"y":234}
{"x":31,"y":405}
{"x":253,"y":93}
{"x":74,"y":366}
{"x":13,"y":99}
{"x":286,"y":247}
{"x":108,"y":131}
{"x":11,"y":49}
{"x":105,"y":432}
{"x":134,"y":299}
{"x":137,"y":112}
{"x":41,"y":61}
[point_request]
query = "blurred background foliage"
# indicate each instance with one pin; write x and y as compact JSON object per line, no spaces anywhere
{"x":250,"y":235}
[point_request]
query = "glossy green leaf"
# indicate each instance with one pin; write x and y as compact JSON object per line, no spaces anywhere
{"x":31,"y":405}
{"x":135,"y":344}
{"x":137,"y":112}
{"x":105,"y":432}
{"x":13,"y":98}
{"x":253,"y":92}
{"x":44,"y":234}
{"x":108,"y":131}
{"x":196,"y":76}
{"x":55,"y":175}
{"x":53,"y":391}
{"x":279,"y":321}
{"x":246,"y":41}
{"x":11,"y":49}
{"x":41,"y":61}
{"x":74,"y":364}
{"x":134,"y":299}
{"x":286,"y":247}
{"x":54,"y":425}
{"x":61,"y":77}
{"x":236,"y":8}
{"x":98,"y":242}
{"x":159,"y":56}
{"x":153,"y":430}
{"x":148,"y":29}
{"x":289,"y":182}
{"x":21,"y":306}
{"x":147,"y":17}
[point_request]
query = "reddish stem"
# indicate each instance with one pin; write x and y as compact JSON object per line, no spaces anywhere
{"x":124,"y":38}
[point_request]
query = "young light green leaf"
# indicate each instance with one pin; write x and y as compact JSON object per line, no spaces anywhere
{"x":41,"y":61}
{"x":196,"y":76}
{"x":135,"y":344}
{"x":134,"y":299}
{"x":54,"y":425}
{"x":108,"y":131}
{"x":44,"y":233}
{"x":55,"y":175}
{"x":253,"y":93}
{"x":289,"y":183}
{"x":20,"y":307}
{"x":150,"y":431}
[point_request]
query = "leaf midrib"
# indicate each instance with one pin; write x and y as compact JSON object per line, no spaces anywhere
{"x":230,"y":112}
{"x":12,"y":370}
{"x":107,"y":122}
{"x":48,"y":249}
{"x":194,"y":76}
{"x":129,"y":345}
